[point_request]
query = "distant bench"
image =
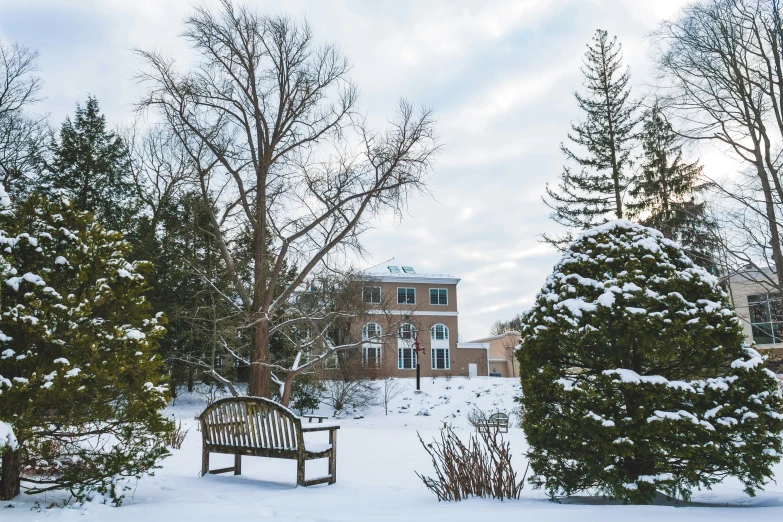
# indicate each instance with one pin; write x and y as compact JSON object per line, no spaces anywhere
{"x":259,"y":427}
{"x":496,"y":421}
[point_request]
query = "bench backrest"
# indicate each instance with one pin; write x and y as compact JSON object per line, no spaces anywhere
{"x":252,"y":422}
{"x":499,"y":418}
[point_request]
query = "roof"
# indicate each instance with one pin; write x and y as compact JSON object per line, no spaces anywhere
{"x":750,"y":274}
{"x":495,"y":337}
{"x":396,"y":273}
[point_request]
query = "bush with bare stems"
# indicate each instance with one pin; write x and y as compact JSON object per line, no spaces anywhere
{"x":178,"y":436}
{"x":480,"y":468}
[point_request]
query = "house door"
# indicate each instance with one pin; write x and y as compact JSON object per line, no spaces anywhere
{"x":472,"y":370}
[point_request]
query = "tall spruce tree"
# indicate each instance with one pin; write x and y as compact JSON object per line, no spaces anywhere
{"x":80,"y":373}
{"x":635,"y":378}
{"x":603,"y":142}
{"x":664,"y":193}
{"x":90,"y":166}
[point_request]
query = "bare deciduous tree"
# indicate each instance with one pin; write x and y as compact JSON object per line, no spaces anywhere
{"x":269,"y":120}
{"x":18,"y":84}
{"x":21,"y":137}
{"x":722,"y":64}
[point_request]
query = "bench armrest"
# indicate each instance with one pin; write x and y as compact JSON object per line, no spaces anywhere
{"x":319,"y":427}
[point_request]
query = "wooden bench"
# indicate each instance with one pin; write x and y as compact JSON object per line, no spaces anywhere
{"x":497,"y":421}
{"x":311,"y":418}
{"x":259,"y":427}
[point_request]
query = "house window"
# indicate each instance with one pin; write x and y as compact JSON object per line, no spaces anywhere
{"x":406,"y":296}
{"x":440,"y":359}
{"x":371,"y":355}
{"x":371,"y":331}
{"x":439,"y":296}
{"x":332,"y":362}
{"x":371,"y":345}
{"x":406,"y":348}
{"x":766,"y":318}
{"x":372,"y":294}
{"x":439,"y":332}
{"x":439,"y":346}
{"x":218,"y":361}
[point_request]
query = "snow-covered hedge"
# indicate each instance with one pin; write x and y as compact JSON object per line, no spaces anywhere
{"x":635,"y":377}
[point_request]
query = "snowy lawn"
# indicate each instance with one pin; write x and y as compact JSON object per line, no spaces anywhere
{"x":377,"y":456}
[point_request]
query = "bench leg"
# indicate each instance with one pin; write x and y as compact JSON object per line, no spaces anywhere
{"x":333,"y":456}
{"x":300,"y":471}
{"x":204,"y":461}
{"x":237,"y":464}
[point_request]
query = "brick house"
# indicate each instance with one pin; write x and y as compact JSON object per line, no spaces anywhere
{"x":759,"y":306}
{"x":502,"y":354}
{"x":404,"y":305}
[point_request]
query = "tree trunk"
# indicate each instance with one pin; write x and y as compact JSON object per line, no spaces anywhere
{"x":260,"y":375}
{"x":774,"y":233}
{"x":10,"y":485}
{"x":287,"y":384}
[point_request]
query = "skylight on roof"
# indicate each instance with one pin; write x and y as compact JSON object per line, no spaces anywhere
{"x":394,"y":269}
{"x":408,"y":270}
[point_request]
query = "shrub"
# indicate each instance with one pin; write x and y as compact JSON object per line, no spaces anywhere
{"x":350,"y":396}
{"x":80,"y":377}
{"x":306,"y":392}
{"x":635,"y":378}
{"x":178,"y":435}
{"x":480,"y":468}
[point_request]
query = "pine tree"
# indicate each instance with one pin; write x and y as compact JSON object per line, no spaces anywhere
{"x":604,"y":140}
{"x":665,"y":192}
{"x":80,"y":376}
{"x":91,"y":166}
{"x":635,"y":378}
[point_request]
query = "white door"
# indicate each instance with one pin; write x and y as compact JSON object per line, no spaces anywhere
{"x":472,"y":370}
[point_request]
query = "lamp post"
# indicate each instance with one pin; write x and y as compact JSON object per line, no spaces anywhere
{"x":418,"y":349}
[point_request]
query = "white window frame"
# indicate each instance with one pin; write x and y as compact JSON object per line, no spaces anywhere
{"x":406,"y":288}
{"x":445,"y":354}
{"x":433,"y":332}
{"x":406,"y":344}
{"x":376,"y":336}
{"x":376,"y":349}
{"x":371,"y":301}
{"x":332,"y":362}
{"x":439,"y":290}
{"x":439,"y":348}
{"x":371,"y":342}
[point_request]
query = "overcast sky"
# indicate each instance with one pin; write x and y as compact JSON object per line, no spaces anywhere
{"x":498,"y":74}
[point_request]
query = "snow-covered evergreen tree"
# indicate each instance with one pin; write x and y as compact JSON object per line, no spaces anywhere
{"x":600,"y":145}
{"x":635,"y":377}
{"x":80,"y":379}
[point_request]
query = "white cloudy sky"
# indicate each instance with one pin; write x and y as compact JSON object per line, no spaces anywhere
{"x":498,"y":73}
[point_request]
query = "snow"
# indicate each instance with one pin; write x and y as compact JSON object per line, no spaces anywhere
{"x":576,"y":306}
{"x":7,"y":437}
{"x":376,"y":459}
{"x":134,"y":334}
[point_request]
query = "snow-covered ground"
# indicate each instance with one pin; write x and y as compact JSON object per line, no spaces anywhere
{"x":377,"y":456}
